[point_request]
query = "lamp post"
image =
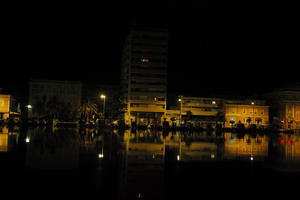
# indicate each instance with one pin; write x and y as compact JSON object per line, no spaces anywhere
{"x":102,"y":96}
{"x":180,"y":101}
{"x":252,"y":103}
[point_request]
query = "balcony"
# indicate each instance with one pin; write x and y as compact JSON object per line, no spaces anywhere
{"x":147,"y":109}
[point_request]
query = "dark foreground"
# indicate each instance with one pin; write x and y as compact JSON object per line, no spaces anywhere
{"x":111,"y":165}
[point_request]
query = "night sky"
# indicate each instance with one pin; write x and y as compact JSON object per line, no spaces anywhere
{"x":212,"y":48}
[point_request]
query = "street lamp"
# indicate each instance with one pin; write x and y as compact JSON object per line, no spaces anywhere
{"x":29,"y":106}
{"x":180,"y":100}
{"x":252,"y":103}
{"x":102,"y":96}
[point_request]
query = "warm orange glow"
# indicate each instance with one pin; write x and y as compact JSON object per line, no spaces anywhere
{"x":102,"y":96}
{"x":144,"y":60}
{"x":3,"y":142}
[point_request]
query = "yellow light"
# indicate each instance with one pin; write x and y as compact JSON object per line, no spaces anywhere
{"x":144,"y":60}
{"x":252,"y":103}
{"x":213,"y":102}
{"x":100,"y":155}
{"x":179,"y":100}
{"x":102,"y":96}
{"x":178,"y":157}
{"x":27,"y":140}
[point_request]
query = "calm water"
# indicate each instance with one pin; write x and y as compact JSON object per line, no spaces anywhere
{"x":110,"y":164}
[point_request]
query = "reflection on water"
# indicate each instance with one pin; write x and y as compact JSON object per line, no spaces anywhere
{"x":247,"y":147}
{"x":141,"y":164}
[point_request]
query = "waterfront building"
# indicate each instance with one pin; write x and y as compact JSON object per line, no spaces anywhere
{"x":56,"y":95}
{"x":285,"y":107}
{"x":247,"y":112}
{"x":144,"y":75}
{"x":8,"y":107}
{"x":198,"y":111}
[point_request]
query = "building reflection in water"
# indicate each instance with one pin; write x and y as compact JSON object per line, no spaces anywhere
{"x":48,"y":150}
{"x":199,"y":146}
{"x":252,"y":147}
{"x":289,"y":147}
{"x":143,"y":171}
{"x":141,"y":164}
{"x":8,"y":139}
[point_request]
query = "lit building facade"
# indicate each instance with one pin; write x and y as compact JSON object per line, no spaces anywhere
{"x":196,"y":110}
{"x":144,"y":75}
{"x":41,"y":92}
{"x":285,"y":107}
{"x":246,"y":112}
{"x":8,"y":106}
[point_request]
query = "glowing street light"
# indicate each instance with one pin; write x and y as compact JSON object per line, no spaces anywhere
{"x":29,"y":106}
{"x":27,"y":140}
{"x":100,"y":155}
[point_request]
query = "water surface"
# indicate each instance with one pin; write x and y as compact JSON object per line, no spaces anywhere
{"x":113,"y":164}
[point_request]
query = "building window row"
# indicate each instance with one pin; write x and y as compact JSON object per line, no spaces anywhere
{"x":148,"y":75}
{"x":145,"y":98}
{"x":150,"y":90}
{"x":147,"y":83}
{"x":150,"y":53}
{"x":149,"y":67}
{"x":147,"y":60}
{"x":145,"y":105}
{"x":141,"y":44}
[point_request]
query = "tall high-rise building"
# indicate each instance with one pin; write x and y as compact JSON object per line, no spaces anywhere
{"x":144,"y":75}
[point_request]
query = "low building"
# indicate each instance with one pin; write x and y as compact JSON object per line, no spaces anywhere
{"x":54,"y":97}
{"x":197,"y":111}
{"x":246,"y":112}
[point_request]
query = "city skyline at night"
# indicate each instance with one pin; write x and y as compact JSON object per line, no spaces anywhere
{"x":149,"y":99}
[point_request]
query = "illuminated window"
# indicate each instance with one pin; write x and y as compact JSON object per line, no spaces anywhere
{"x":144,"y":60}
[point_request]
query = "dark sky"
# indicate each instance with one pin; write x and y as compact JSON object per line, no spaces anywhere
{"x":238,"y":49}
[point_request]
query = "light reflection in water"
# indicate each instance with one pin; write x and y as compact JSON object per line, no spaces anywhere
{"x":135,"y":163}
